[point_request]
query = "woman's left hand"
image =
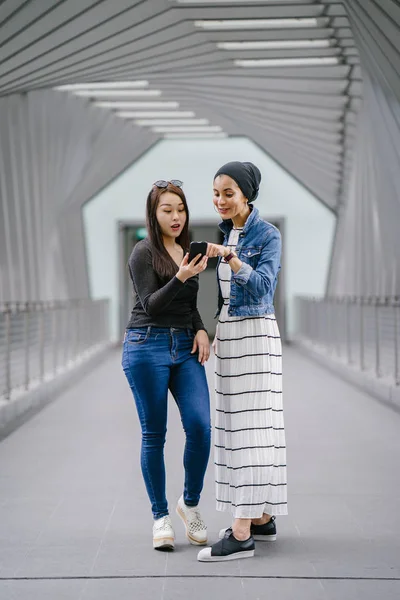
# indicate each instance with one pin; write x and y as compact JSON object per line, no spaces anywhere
{"x":201,"y":343}
{"x":214,"y":250}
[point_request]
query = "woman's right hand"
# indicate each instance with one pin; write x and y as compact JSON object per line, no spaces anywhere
{"x":190,"y":269}
{"x":214,"y":250}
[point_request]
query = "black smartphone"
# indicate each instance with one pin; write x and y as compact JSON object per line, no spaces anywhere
{"x":197,"y":248}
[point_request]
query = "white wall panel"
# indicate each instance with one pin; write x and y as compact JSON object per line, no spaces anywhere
{"x":366,"y":258}
{"x":56,"y":151}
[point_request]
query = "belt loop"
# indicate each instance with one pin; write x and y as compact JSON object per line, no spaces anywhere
{"x":148,"y":331}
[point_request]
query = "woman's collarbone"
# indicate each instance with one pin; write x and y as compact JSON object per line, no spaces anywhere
{"x":177,"y":256}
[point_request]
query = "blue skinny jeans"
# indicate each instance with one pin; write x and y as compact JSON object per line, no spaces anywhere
{"x":156,"y":360}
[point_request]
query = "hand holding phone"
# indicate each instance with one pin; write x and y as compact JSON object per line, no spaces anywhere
{"x":188,"y":267}
{"x":197,"y":248}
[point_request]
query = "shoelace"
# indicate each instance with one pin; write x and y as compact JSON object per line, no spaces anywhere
{"x":196,"y":523}
{"x":164,"y":525}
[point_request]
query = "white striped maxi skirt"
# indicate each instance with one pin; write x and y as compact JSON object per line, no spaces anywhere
{"x":250,"y":450}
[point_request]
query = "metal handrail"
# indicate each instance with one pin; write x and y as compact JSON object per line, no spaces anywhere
{"x":362,"y":332}
{"x":38,"y":340}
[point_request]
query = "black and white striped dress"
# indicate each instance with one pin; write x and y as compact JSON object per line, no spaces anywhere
{"x":250,"y":450}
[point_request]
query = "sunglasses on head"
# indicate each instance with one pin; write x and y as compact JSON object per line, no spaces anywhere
{"x":161,"y":183}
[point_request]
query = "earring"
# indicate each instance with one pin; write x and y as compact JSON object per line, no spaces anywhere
{"x":216,"y":210}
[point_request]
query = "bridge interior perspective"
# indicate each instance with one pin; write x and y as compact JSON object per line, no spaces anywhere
{"x":96,"y":99}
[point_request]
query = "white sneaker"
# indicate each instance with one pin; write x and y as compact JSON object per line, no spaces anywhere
{"x":163,"y":534}
{"x":196,"y":531}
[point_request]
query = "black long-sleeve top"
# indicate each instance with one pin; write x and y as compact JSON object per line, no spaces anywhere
{"x":160,"y":304}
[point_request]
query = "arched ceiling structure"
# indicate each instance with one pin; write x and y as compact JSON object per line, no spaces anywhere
{"x":315,"y":83}
{"x":283,"y":72}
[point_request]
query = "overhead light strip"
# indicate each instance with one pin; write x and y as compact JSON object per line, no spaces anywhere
{"x":201,"y":136}
{"x":168,"y":122}
{"x":138,"y":105}
{"x":161,"y":122}
{"x":287,"y":62}
{"x":105,"y":85}
{"x":188,"y":129}
{"x":256,"y":23}
{"x":137,"y":114}
{"x":118,"y":93}
{"x":275,"y":45}
{"x":216,"y":2}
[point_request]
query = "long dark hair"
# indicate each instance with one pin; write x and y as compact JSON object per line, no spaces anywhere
{"x":163,"y":264}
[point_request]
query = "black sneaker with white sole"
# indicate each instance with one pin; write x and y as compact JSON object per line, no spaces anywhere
{"x":229,"y":548}
{"x":264,"y":533}
{"x":260,"y":533}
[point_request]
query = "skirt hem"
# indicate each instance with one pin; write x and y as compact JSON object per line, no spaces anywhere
{"x":252,"y":513}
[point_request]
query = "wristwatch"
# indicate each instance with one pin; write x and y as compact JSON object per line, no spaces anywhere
{"x":229,"y":256}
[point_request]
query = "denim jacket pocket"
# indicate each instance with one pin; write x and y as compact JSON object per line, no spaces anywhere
{"x":250,"y":255}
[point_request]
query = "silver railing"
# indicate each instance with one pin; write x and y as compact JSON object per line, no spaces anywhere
{"x":362,"y":332}
{"x":38,"y":340}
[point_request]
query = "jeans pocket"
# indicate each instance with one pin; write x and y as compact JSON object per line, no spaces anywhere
{"x":137,"y":336}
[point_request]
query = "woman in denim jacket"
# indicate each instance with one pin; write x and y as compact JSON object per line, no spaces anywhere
{"x":250,"y":450}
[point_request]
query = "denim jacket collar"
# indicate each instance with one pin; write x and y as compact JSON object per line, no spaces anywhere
{"x":253,"y":217}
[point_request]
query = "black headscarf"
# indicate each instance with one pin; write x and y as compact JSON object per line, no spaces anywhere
{"x":246,"y":175}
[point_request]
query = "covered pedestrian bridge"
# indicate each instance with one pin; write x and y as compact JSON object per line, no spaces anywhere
{"x":98,"y":95}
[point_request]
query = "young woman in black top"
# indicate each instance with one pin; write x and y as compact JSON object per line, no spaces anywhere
{"x":165,"y":348}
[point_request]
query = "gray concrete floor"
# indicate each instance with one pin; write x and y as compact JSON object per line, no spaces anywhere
{"x":75,"y":521}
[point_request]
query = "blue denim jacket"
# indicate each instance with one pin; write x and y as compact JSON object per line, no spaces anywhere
{"x":253,"y":286}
